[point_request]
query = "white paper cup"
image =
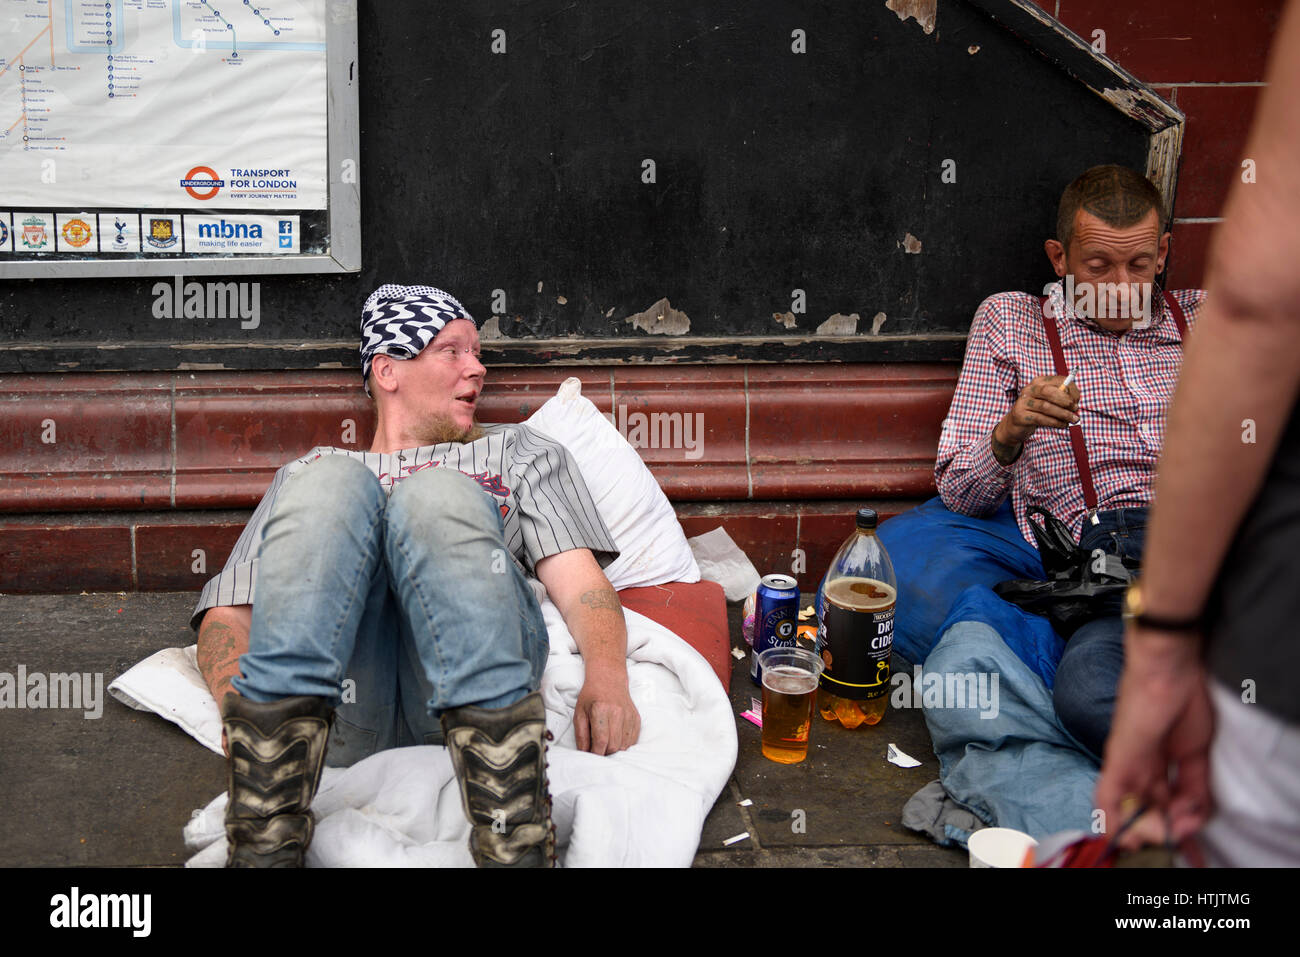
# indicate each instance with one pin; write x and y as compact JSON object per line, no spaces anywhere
{"x":999,"y":847}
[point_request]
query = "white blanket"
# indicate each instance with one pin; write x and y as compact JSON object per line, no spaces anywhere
{"x":643,"y":807}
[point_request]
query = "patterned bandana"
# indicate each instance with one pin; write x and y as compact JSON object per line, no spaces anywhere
{"x":399,"y":321}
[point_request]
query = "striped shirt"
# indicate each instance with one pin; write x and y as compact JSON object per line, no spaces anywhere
{"x":545,"y":505}
{"x":1125,"y":384}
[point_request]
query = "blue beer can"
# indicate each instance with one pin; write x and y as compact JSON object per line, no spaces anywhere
{"x":776,"y":619}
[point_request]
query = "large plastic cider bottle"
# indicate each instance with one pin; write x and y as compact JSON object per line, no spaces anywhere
{"x":855,"y":633}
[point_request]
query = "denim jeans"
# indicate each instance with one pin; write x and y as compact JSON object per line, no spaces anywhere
{"x":1087,"y":677}
{"x":396,"y":607}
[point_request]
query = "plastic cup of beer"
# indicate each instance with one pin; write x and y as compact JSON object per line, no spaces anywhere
{"x":790,"y":677}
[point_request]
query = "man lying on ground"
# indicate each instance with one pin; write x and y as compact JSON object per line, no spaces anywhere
{"x":384,"y":593}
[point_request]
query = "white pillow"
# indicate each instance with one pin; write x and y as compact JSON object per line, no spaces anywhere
{"x":652,"y":546}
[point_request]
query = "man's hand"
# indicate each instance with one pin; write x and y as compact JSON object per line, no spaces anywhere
{"x":1042,"y":403}
{"x":1158,"y":751}
{"x":604,"y":720}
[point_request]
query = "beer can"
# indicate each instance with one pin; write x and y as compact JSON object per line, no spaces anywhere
{"x":776,"y":617}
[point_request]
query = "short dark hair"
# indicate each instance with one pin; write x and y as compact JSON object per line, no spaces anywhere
{"x":1116,"y":195}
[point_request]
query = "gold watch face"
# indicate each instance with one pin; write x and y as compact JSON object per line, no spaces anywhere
{"x":1133,"y":601}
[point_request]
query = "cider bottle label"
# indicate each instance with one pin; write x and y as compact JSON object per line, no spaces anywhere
{"x":856,"y":638}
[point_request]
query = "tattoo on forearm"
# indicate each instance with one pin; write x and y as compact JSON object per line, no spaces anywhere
{"x":600,"y":598}
{"x":1005,"y":453}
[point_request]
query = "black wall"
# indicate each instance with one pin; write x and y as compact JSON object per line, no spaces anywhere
{"x":774,"y":171}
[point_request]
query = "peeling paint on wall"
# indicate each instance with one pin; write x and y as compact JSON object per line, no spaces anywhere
{"x":785,"y":318}
{"x":877,"y":321}
{"x":661,"y":319}
{"x":492,"y":329}
{"x":920,"y":10}
{"x":911,"y":244}
{"x":1139,"y":104}
{"x":839,"y":325}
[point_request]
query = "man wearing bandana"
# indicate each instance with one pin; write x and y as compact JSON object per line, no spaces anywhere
{"x":381,"y":598}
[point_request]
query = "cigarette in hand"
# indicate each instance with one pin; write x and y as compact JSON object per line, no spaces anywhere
{"x":1065,"y":385}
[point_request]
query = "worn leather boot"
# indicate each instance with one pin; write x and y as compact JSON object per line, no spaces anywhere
{"x":277,"y":751}
{"x":500,"y":761}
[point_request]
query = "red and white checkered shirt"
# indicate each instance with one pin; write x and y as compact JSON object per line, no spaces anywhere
{"x":1125,"y":384}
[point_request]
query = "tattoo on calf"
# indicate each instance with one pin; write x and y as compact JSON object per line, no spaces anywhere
{"x":218,"y":656}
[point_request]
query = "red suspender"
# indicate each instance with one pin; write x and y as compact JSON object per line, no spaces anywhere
{"x":1076,"y":433}
{"x":1176,"y":310}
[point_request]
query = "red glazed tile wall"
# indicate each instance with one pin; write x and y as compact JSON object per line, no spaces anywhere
{"x":721,"y":433}
{"x":1208,"y":58}
{"x":122,"y":496}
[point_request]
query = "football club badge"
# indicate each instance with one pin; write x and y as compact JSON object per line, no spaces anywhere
{"x":34,"y":235}
{"x":162,"y":233}
{"x":4,"y":232}
{"x":77,"y":233}
{"x":119,"y":233}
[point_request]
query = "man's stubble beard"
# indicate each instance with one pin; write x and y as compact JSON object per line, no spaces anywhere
{"x":439,"y":429}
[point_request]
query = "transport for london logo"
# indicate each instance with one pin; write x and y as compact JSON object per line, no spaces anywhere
{"x":204,"y":188}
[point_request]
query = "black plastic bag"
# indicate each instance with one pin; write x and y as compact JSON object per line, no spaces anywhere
{"x":1080,"y":587}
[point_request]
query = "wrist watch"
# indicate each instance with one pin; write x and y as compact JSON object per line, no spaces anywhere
{"x":1135,"y":611}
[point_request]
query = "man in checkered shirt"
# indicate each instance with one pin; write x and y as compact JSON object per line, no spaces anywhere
{"x":1007,"y":429}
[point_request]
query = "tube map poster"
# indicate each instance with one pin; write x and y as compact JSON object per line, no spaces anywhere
{"x":111,"y":109}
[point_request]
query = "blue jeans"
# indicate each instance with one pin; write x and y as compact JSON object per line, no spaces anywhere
{"x":1088,"y":676}
{"x":396,"y":607}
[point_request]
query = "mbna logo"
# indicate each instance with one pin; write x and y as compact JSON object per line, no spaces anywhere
{"x":225,"y":230}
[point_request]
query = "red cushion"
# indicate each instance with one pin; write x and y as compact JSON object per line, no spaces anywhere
{"x":696,"y":612}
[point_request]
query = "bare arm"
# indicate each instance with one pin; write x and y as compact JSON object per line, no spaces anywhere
{"x":1242,"y":363}
{"x":223,"y":637}
{"x":605,"y":720}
